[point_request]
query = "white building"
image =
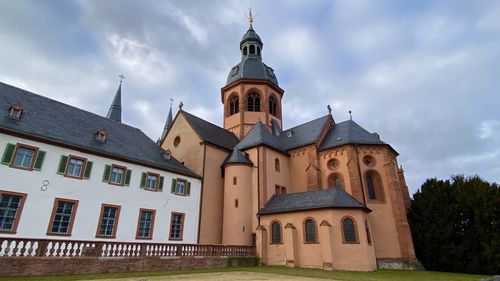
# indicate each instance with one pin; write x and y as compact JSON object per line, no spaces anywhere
{"x":67,"y":173}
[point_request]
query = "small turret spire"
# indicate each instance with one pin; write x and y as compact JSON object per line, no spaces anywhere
{"x":115,"y":110}
{"x":168,"y":124}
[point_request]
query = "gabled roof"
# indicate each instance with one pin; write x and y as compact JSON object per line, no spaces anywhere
{"x":303,"y":134}
{"x":260,"y":135}
{"x":48,"y":120}
{"x":325,"y":198}
{"x":237,"y":157}
{"x":348,"y":132}
{"x":211,"y":133}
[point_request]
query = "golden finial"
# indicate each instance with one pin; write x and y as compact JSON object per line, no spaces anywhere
{"x":250,"y":16}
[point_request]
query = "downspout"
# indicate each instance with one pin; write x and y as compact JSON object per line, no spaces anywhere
{"x":201,"y":193}
{"x":359,"y":174}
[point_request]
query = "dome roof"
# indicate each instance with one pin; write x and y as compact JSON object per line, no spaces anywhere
{"x":252,"y":68}
{"x":251,"y":35}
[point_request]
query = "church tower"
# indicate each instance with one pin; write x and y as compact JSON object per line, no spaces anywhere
{"x":252,"y":92}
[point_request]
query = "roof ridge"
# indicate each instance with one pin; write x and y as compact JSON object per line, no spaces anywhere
{"x":68,"y":105}
{"x":183,"y":111}
{"x":325,"y":116}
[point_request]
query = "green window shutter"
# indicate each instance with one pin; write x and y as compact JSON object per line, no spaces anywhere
{"x":107,"y":172}
{"x":39,"y":160}
{"x":127,"y":177}
{"x":8,"y":153}
{"x":160,"y":184}
{"x":62,"y":165}
{"x":143,"y":180}
{"x":88,"y":170}
{"x":188,"y":188}
{"x":174,"y":186}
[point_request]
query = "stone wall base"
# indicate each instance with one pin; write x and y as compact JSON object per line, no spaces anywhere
{"x":402,"y":264}
{"x":36,"y":266}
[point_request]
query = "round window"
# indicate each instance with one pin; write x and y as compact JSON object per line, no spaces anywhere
{"x":369,"y":161}
{"x":333,"y":164}
{"x":177,"y":140}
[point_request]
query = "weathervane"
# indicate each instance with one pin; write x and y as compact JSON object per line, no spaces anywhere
{"x":121,"y":78}
{"x":250,"y":16}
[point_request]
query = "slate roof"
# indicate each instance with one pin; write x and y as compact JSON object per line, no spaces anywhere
{"x":237,"y":157}
{"x":310,"y":200}
{"x":59,"y":123}
{"x":211,"y":133}
{"x":304,"y":134}
{"x":260,"y":135}
{"x":348,"y":132}
{"x":251,"y":68}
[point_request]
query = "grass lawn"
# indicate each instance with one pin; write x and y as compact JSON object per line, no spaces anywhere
{"x":293,"y":273}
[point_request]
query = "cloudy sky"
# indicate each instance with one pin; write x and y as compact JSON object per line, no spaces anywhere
{"x":423,"y":74}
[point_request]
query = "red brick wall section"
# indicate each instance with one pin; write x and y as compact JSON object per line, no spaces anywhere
{"x":25,"y":266}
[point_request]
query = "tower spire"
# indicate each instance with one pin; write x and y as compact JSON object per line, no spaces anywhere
{"x":168,"y":123}
{"x":115,"y":110}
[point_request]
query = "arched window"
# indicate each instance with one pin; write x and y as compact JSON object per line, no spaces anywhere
{"x":273,"y":106}
{"x":252,"y":49}
{"x":275,"y":233}
{"x":234,"y":105}
{"x":245,"y":50}
{"x":277,"y":165}
{"x":253,"y":102}
{"x":334,"y":180}
{"x":310,"y":231}
{"x":349,"y":230}
{"x":374,"y":186}
{"x":258,"y":51}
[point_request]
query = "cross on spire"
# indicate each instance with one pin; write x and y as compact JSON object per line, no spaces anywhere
{"x":121,"y":78}
{"x":171,"y":101}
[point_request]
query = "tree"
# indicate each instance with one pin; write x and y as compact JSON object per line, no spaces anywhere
{"x":455,"y":225}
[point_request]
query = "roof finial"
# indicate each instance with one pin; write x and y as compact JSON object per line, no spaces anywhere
{"x":250,"y":16}
{"x":329,"y":108}
{"x":350,"y":114}
{"x":121,"y":78}
{"x":181,"y":105}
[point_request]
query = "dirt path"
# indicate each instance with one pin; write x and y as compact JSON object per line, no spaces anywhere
{"x":221,"y":276}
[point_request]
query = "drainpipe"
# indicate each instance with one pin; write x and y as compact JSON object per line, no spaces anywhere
{"x":359,"y":174}
{"x":201,"y":192}
{"x":258,"y":182}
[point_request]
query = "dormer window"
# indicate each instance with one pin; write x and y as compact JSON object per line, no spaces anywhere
{"x":166,"y":154}
{"x":101,"y":135}
{"x":15,"y":111}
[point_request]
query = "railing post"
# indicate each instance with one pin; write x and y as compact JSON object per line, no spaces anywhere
{"x":179,"y":250}
{"x":42,"y":248}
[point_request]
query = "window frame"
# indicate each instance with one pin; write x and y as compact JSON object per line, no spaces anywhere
{"x":19,"y":210}
{"x":251,"y":106}
{"x":115,"y":224}
{"x":146,"y":187}
{"x":123,"y":177}
{"x":33,"y":158}
{"x":304,"y":230}
{"x":82,"y":171}
{"x":337,"y":176}
{"x":273,"y":106}
{"x":71,"y":220}
{"x":355,"y":229}
{"x":377,"y":185}
{"x":184,"y":193}
{"x":151,"y":226}
{"x":234,"y":104}
{"x":271,"y":233}
{"x":181,"y":231}
{"x":277,"y":165}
